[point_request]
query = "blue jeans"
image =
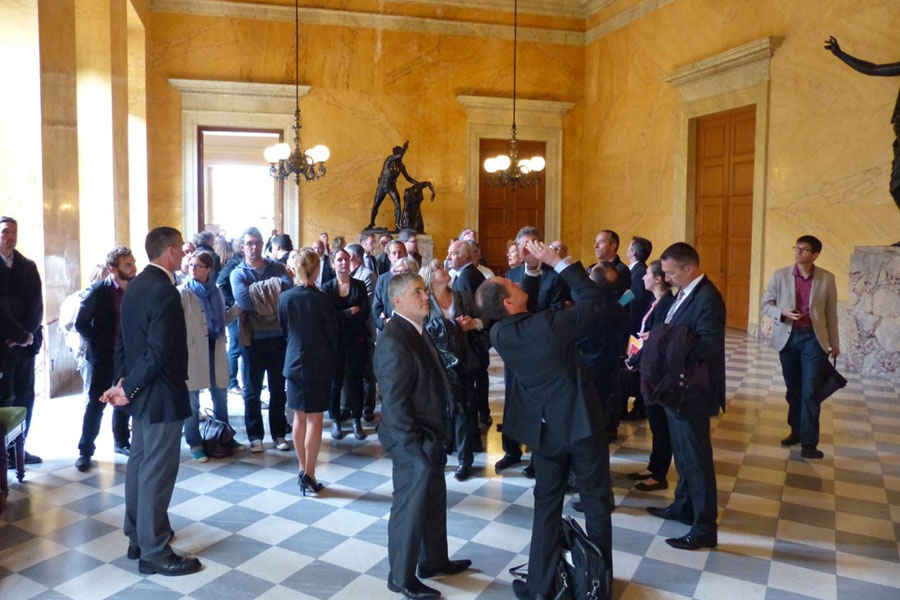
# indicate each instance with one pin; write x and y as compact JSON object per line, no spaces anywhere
{"x":220,"y":404}
{"x":802,"y":363}
{"x":234,"y":352}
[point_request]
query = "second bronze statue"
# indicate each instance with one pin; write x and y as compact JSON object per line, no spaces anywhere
{"x":409,"y":214}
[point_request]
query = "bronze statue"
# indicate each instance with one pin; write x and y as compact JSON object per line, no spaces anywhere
{"x":387,"y":184}
{"x":885,"y":70}
{"x":413,"y":196}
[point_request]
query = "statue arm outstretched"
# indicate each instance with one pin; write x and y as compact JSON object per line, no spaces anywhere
{"x":863,"y":66}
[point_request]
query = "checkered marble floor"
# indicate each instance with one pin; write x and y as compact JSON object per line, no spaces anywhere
{"x":789,"y":528}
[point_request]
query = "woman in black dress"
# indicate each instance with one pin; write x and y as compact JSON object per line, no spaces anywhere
{"x":351,"y":303}
{"x":310,"y":327}
{"x":454,"y":331}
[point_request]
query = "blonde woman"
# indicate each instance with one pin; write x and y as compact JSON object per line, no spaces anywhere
{"x":309,"y":323}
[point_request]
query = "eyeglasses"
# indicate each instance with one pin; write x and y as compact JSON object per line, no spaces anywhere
{"x":803,"y":249}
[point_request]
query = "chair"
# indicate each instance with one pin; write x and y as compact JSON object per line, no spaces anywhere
{"x":12,"y":429}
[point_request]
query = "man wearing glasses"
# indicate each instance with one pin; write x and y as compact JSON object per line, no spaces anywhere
{"x":803,"y":301}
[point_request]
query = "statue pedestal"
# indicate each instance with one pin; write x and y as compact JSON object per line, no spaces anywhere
{"x":870,"y":336}
{"x":426,"y":247}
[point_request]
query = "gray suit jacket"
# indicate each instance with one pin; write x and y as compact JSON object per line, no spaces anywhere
{"x":781,"y":293}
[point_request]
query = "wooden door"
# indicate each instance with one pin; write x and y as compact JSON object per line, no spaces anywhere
{"x":502,"y":211}
{"x":724,"y":205}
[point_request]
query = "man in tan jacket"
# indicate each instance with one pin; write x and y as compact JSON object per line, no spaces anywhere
{"x":803,"y":301}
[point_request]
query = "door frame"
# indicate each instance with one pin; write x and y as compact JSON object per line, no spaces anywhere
{"x":536,"y":120}
{"x":732,"y":79}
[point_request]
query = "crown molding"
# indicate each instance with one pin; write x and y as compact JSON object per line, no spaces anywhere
{"x":757,"y":51}
{"x":558,"y":8}
{"x":200,"y":94}
{"x":622,"y":19}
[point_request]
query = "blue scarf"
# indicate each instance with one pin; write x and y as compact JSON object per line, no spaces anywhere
{"x":212,"y":304}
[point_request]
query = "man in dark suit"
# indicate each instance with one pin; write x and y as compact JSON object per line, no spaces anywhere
{"x":326,"y":273}
{"x":98,"y":324}
{"x":21,"y":296}
{"x":415,"y":427}
{"x":151,"y":361}
{"x":554,"y":410}
{"x":606,"y":249}
{"x":383,"y":260}
{"x":545,"y":290}
{"x":367,"y":241}
{"x":698,"y":307}
{"x":382,"y":309}
{"x":638,"y":252}
{"x":468,"y":277}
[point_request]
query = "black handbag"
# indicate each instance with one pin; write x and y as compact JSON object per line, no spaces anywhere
{"x":218,"y":437}
{"x":832,"y":381}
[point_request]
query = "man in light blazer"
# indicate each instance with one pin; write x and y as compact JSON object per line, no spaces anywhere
{"x":803,"y":301}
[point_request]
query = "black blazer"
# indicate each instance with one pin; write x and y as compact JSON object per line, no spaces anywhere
{"x":327,"y":269}
{"x":152,"y":352}
{"x":382,"y":303}
{"x":643,"y":298}
{"x":22,"y":298}
{"x":549,"y":380}
{"x":96,"y":321}
{"x":351,"y":328}
{"x":310,"y":326}
{"x":382,"y":264}
{"x":468,"y":280}
{"x":414,"y":390}
{"x":550,"y":292}
{"x":703,"y":313}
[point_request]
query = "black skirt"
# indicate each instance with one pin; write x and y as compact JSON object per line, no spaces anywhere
{"x":308,"y":396}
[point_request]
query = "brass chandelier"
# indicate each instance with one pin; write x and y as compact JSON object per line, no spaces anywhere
{"x":509,"y":169}
{"x":284,"y":160}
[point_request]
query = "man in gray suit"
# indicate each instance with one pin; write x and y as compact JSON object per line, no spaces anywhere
{"x":803,"y":301}
{"x":151,"y":368}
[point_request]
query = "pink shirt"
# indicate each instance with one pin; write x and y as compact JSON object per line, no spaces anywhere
{"x":803,"y":287}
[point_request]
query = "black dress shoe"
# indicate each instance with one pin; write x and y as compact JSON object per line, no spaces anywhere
{"x":692,"y":542}
{"x":134,"y":552}
{"x":452,"y":567}
{"x":790,"y":440}
{"x":463,"y":472}
{"x":643,"y":486}
{"x":336,"y":431}
{"x":32,"y":459}
{"x":520,"y":589}
{"x":358,"y":431}
{"x":123,"y":449}
{"x":506,"y":462}
{"x":638,"y":476}
{"x":416,"y":590}
{"x":83,"y":463}
{"x":528,"y":471}
{"x":806,"y":452}
{"x":666,"y":513}
{"x":171,"y":566}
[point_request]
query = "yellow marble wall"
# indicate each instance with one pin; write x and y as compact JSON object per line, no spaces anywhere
{"x":829,"y":149}
{"x":371,"y":90}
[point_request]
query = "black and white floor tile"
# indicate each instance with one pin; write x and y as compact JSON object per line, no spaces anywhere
{"x":790,"y":529}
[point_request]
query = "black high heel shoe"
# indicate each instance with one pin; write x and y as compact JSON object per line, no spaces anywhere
{"x":308,"y":484}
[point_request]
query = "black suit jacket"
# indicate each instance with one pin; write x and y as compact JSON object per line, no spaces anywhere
{"x":643,"y":298}
{"x":310,"y":326}
{"x":96,"y":321}
{"x":382,"y":264}
{"x":382,"y":303}
{"x":546,"y":291}
{"x":552,"y":402}
{"x":414,"y":389}
{"x":703,"y":313}
{"x":327,"y":269}
{"x":352,"y":328}
{"x":468,"y":280}
{"x":152,"y":352}
{"x":22,"y":298}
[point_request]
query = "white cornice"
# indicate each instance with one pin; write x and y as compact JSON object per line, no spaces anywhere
{"x":346,"y":18}
{"x":622,"y":19}
{"x":490,"y":109}
{"x":557,"y":8}
{"x":752,"y":52}
{"x":199,"y":94}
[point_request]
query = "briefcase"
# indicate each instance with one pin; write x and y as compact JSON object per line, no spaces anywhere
{"x":832,"y":381}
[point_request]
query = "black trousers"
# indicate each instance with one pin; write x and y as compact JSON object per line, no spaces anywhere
{"x":17,"y":383}
{"x":369,"y":387}
{"x":661,"y":451}
{"x":695,"y":495}
{"x":417,"y":528}
{"x":467,"y":437}
{"x":350,"y":370}
{"x":588,"y":459}
{"x":262,"y":358}
{"x":101,"y":380}
{"x":510,"y":446}
{"x":482,"y":384}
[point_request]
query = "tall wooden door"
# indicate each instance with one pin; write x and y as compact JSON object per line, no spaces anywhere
{"x":503,"y":211}
{"x":724,"y":205}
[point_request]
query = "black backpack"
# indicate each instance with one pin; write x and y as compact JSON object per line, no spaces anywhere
{"x":218,"y":437}
{"x":586,"y":574}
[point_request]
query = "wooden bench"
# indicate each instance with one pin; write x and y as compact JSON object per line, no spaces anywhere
{"x":12,"y":429}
